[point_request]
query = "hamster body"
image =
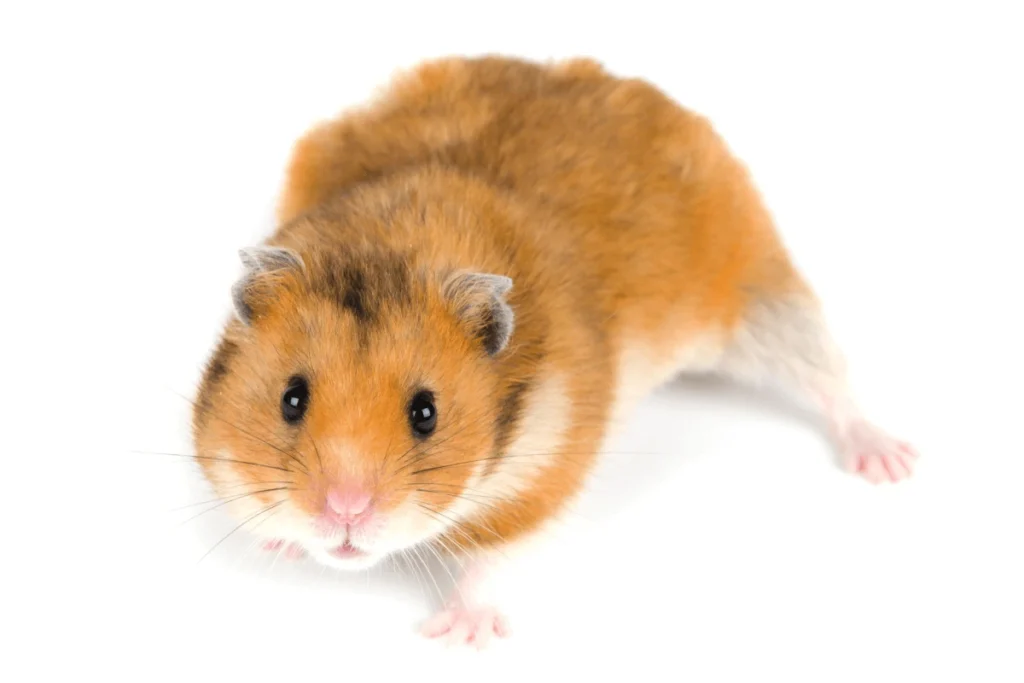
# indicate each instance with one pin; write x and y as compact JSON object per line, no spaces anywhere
{"x":473,"y":278}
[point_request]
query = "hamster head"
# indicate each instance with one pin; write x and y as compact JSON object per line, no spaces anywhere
{"x":352,"y":399}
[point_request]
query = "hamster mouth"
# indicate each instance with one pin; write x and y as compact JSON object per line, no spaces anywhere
{"x":346,"y":551}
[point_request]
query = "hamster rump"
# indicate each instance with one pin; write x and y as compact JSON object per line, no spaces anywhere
{"x":345,"y":407}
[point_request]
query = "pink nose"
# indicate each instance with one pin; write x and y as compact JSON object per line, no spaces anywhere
{"x":347,"y":505}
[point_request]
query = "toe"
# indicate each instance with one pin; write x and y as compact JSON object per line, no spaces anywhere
{"x":461,"y":627}
{"x":908,"y":463}
{"x":501,"y":627}
{"x":438,"y":625}
{"x":483,"y":634}
{"x":873,"y":469}
{"x":894,"y":466}
{"x":908,"y":451}
{"x":460,"y":632}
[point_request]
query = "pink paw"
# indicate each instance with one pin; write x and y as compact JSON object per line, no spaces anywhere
{"x":465,"y":625}
{"x":292,"y":551}
{"x":876,"y":455}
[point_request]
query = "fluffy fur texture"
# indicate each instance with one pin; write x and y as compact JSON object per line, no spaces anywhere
{"x":538,"y":246}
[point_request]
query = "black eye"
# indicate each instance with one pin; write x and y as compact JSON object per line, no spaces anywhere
{"x":294,"y":400}
{"x":422,"y":413}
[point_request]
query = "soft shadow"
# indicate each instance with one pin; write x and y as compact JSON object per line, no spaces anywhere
{"x":672,"y":426}
{"x":424,"y":580}
{"x":764,"y":401}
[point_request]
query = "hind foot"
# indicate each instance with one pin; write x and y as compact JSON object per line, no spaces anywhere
{"x":874,"y":454}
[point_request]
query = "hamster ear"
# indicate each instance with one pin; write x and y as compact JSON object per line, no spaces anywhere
{"x":256,"y":262}
{"x":479,"y":300}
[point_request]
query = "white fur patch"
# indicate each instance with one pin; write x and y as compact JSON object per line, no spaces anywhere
{"x":642,"y":368}
{"x":540,"y":435}
{"x":284,"y":521}
{"x":787,"y":341}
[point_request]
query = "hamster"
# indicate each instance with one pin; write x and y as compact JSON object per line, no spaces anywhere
{"x":473,"y":277}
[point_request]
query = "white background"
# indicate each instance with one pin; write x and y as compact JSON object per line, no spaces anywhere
{"x":141,"y":147}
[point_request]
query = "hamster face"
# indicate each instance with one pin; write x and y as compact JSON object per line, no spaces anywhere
{"x":352,"y":400}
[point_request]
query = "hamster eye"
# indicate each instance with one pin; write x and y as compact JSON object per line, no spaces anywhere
{"x":294,"y":400}
{"x":422,"y":414}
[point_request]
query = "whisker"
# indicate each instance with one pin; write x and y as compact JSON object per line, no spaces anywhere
{"x":298,"y":462}
{"x":315,"y":449}
{"x":452,"y":524}
{"x":262,"y":521}
{"x":276,"y":557}
{"x":409,"y":450}
{"x":213,"y":457}
{"x":489,"y":506}
{"x":474,"y":498}
{"x":232,"y":499}
{"x":244,"y":522}
{"x":433,"y":445}
{"x":415,"y":570}
{"x":461,"y":489}
{"x":593,"y":452}
{"x":224,"y":498}
{"x":455,"y":464}
{"x":430,"y":575}
{"x":510,"y":457}
{"x":477,"y":522}
{"x":227,"y":487}
{"x":454,"y":555}
{"x":256,"y":540}
{"x":387,"y":451}
{"x":461,"y":527}
{"x":429,"y":546}
{"x":234,"y":426}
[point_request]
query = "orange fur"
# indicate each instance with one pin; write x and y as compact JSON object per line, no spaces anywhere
{"x":621,"y":217}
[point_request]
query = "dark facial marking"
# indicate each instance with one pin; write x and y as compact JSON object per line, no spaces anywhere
{"x":216,"y":369}
{"x":510,"y":410}
{"x":218,"y":366}
{"x":366,"y":284}
{"x":355,"y":296}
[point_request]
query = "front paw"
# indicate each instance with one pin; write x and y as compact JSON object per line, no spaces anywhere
{"x":462,"y":624}
{"x":292,"y":551}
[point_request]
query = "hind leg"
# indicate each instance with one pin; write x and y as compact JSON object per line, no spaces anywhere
{"x":782,"y":338}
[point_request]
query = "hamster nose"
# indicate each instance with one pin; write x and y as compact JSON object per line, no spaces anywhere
{"x":347,"y":505}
